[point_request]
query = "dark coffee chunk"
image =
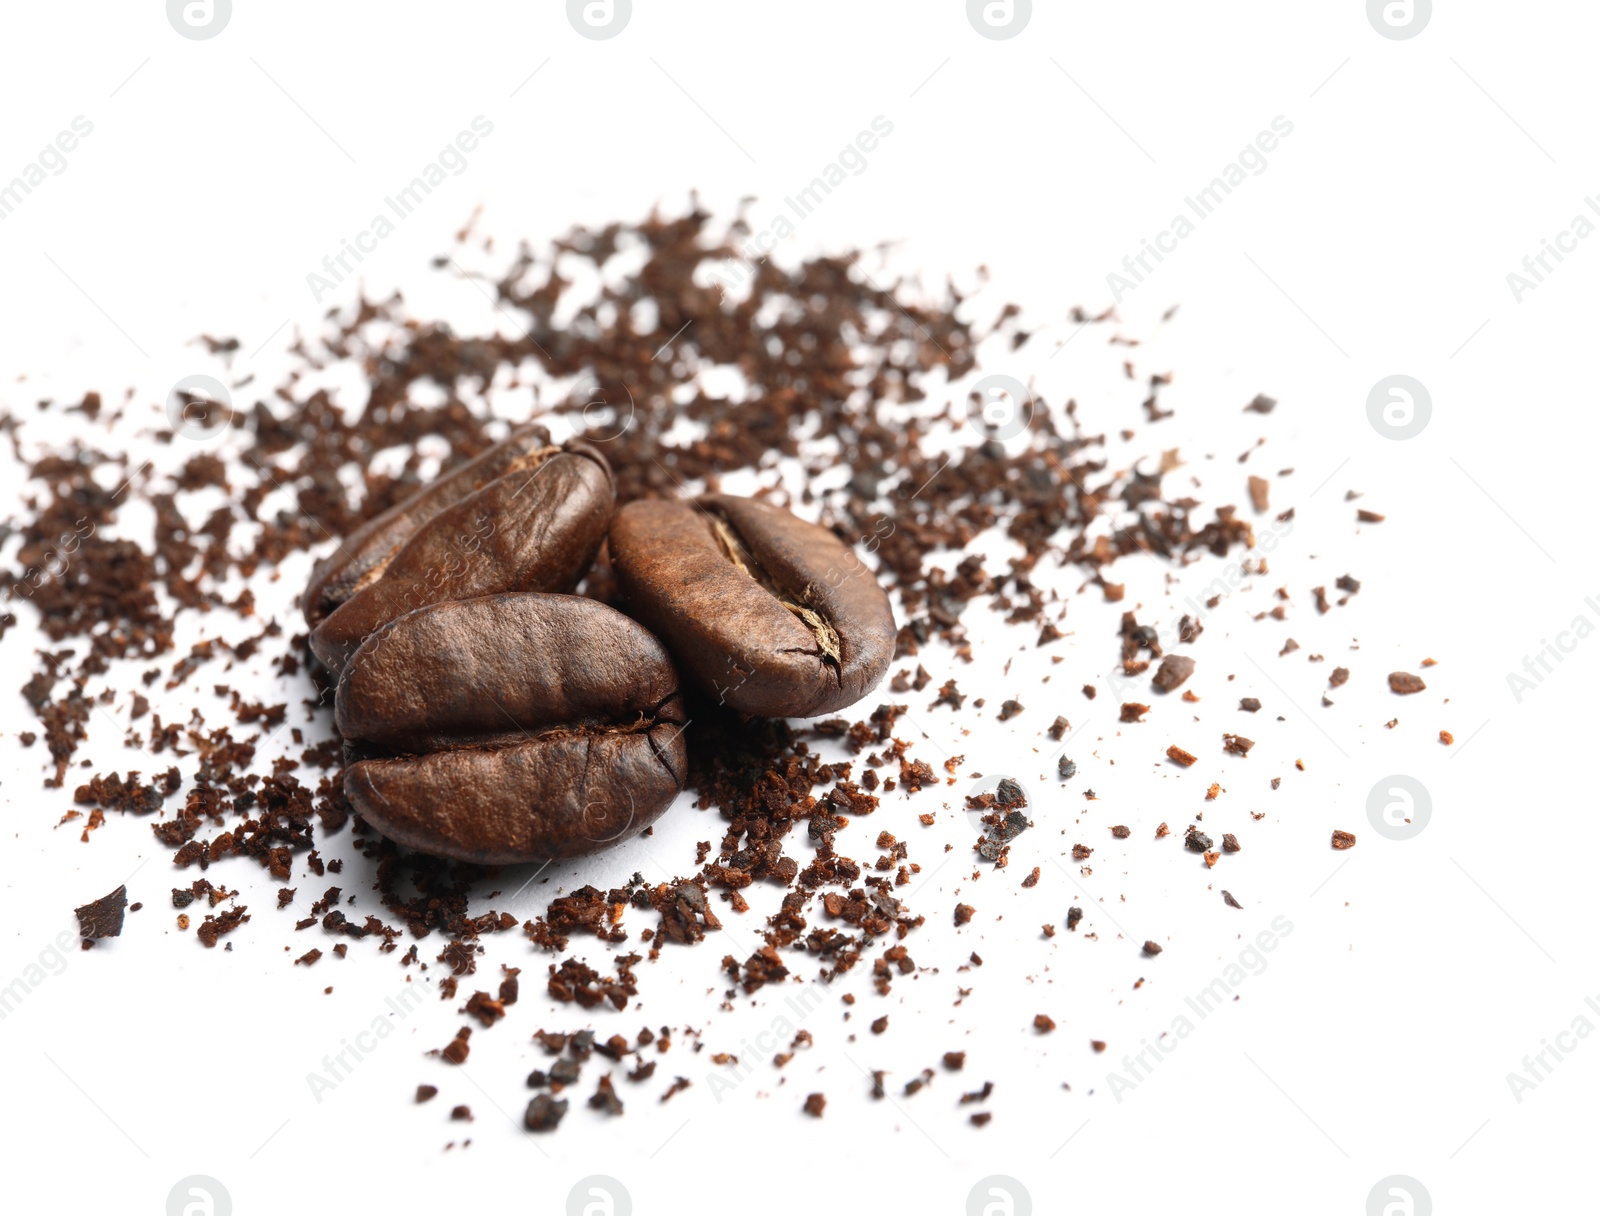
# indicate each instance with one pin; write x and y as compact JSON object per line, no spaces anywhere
{"x":535,"y":528}
{"x":772,"y":615}
{"x":544,"y":1113}
{"x":1174,"y":670}
{"x":103,"y":917}
{"x":512,"y":728}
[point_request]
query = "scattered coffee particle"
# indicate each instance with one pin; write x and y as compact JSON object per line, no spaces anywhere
{"x":1195,"y":840}
{"x":879,"y":1025}
{"x":1238,"y":745}
{"x":1032,"y":880}
{"x":964,"y":913}
{"x":1152,"y":948}
{"x":456,"y":1050}
{"x":426,"y":1093}
{"x":461,"y":1113}
{"x":1059,"y":728}
{"x":1260,"y":491}
{"x":1097,"y":1045}
{"x":814,"y":1105}
{"x":1249,"y":704}
{"x":1343,"y":840}
{"x":1338,"y":676}
{"x":1074,"y":915}
{"x":1066,"y":769}
{"x":544,"y":1113}
{"x":1121,"y":831}
{"x":103,"y":917}
{"x":1368,"y":517}
{"x":678,"y":1085}
{"x":955,"y":1061}
{"x":1132,"y":711}
{"x":1404,"y":683}
{"x":1230,"y":843}
{"x":1010,"y":709}
{"x":1174,"y":670}
{"x":605,"y":1098}
{"x":1043,"y":1023}
{"x":1230,"y":900}
{"x":1177,"y":754}
{"x":1446,"y":738}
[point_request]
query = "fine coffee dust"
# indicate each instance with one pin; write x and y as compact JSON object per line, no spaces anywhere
{"x":626,"y":336}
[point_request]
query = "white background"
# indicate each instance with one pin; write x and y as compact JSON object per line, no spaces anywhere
{"x":1378,"y":1037}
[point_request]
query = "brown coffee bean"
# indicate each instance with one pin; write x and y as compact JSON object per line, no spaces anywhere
{"x":536,"y":527}
{"x":336,"y":577}
{"x":770,"y":614}
{"x":511,"y":728}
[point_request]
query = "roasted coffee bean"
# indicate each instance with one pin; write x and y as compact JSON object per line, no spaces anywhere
{"x":511,"y":728}
{"x":536,"y":527}
{"x":770,"y":614}
{"x":336,"y":577}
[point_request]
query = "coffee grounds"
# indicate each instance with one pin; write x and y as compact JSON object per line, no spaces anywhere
{"x":822,"y":351}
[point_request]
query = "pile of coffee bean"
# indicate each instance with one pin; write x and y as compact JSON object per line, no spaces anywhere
{"x":497,"y":718}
